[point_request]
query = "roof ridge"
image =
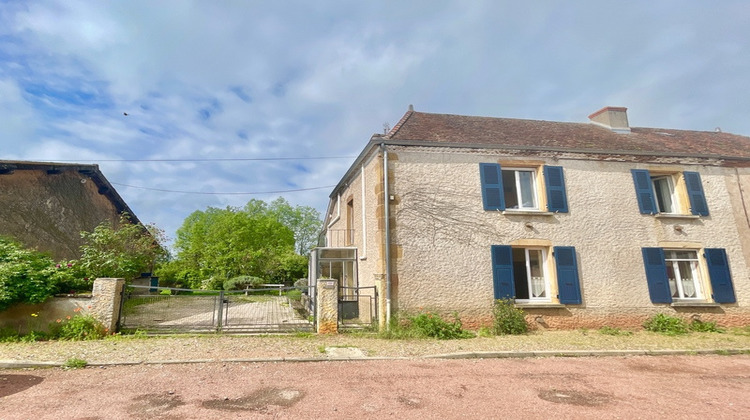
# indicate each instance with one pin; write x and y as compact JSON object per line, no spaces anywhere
{"x":398,"y":125}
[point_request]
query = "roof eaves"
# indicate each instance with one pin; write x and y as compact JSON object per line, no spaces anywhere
{"x":418,"y":143}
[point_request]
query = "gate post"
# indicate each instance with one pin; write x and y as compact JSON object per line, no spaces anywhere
{"x":327,"y":306}
{"x":106,"y":298}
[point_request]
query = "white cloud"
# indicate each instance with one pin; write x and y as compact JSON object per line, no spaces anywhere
{"x":260,"y":79}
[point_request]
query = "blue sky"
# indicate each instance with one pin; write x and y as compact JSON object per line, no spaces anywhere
{"x":261,"y":79}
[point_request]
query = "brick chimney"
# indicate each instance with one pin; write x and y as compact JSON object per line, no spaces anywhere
{"x":612,"y":117}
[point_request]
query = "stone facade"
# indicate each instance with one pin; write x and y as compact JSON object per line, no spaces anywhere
{"x":441,"y":235}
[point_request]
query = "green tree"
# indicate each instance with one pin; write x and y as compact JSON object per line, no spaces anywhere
{"x":122,"y":249}
{"x":304,"y":221}
{"x":225,"y":243}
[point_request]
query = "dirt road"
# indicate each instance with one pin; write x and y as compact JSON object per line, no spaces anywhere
{"x":564,"y":388}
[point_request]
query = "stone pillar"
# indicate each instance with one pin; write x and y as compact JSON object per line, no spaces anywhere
{"x":380,"y":285}
{"x":106,"y":300}
{"x":327,"y":306}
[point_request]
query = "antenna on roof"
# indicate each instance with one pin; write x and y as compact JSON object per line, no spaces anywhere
{"x":386,"y":128}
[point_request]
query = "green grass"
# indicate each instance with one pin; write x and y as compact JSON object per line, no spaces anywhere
{"x":75,"y":363}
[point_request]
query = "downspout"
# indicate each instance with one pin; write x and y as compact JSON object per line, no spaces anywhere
{"x":364,"y":217}
{"x":386,"y":199}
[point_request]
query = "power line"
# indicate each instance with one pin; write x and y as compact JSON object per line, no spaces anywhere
{"x":221,"y":193}
{"x":202,"y":160}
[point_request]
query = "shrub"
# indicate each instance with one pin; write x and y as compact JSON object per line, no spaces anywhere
{"x":508,"y":319}
{"x":241,"y":282}
{"x":77,"y":328}
{"x":431,"y":325}
{"x":700,"y":326}
{"x":302,"y":283}
{"x":666,"y":324}
{"x":26,"y":275}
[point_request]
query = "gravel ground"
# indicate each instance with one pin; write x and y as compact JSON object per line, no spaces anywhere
{"x":130,"y":349}
{"x":635,"y":387}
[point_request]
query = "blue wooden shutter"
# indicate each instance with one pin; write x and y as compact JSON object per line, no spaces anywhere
{"x":656,"y":275}
{"x":568,"y":286}
{"x":502,"y":272}
{"x":554,"y":180}
{"x":694,"y":187}
{"x":644,"y":191}
{"x":492,"y":186}
{"x":721,"y":279}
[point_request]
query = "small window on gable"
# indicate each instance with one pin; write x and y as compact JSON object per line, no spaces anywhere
{"x":679,"y":193}
{"x":521,"y":189}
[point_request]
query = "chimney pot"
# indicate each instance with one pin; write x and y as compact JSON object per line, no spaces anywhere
{"x":613,"y":117}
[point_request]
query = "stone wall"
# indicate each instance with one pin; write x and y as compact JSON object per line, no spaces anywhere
{"x":442,"y":237}
{"x":24,"y":318}
{"x":103,"y":304}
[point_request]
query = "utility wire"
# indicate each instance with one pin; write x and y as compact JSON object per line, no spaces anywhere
{"x":221,"y":193}
{"x":204,"y":160}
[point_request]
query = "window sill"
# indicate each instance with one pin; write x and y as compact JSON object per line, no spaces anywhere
{"x":676,"y":216}
{"x":527,"y":213}
{"x":539,"y":305}
{"x":698,"y":304}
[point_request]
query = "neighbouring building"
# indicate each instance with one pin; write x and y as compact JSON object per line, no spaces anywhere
{"x":46,"y":206}
{"x":583,"y":224}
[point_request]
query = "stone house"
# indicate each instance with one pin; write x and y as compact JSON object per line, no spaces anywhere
{"x":46,"y":206}
{"x":583,"y":224}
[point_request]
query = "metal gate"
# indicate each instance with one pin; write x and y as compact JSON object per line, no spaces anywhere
{"x":358,"y":307}
{"x":168,"y":310}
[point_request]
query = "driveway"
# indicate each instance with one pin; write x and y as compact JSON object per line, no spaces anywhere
{"x":563,"y":388}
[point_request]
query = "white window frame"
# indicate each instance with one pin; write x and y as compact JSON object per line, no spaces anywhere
{"x":676,"y":285}
{"x":529,"y":282}
{"x":674,"y":201}
{"x":518,"y":190}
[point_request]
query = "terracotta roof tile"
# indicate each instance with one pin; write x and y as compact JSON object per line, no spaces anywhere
{"x":458,"y":129}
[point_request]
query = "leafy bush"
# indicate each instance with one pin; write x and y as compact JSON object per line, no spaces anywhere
{"x":26,"y":275}
{"x":700,"y":326}
{"x":432,"y":325}
{"x":241,"y":282}
{"x":614,"y":331}
{"x":78,"y":328}
{"x":508,"y":319}
{"x":666,"y":324}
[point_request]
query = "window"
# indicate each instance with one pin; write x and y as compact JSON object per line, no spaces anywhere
{"x":529,"y":274}
{"x":676,"y":274}
{"x":350,"y":222}
{"x":522,"y":273}
{"x":664,"y":193}
{"x":519,"y":188}
{"x":683,"y":274}
{"x":669,"y":193}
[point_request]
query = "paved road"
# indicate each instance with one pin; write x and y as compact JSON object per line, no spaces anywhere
{"x":647,"y":387}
